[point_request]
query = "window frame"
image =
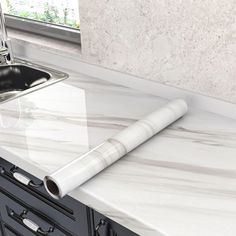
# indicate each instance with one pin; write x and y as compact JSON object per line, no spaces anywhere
{"x":43,"y":28}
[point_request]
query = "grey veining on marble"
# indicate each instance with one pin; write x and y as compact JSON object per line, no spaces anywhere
{"x":188,"y":44}
{"x":180,"y":183}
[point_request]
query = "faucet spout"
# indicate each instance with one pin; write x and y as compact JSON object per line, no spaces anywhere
{"x":6,"y":56}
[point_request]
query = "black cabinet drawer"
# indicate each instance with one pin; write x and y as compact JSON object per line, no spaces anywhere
{"x":18,"y":213}
{"x":68,"y":215}
{"x":35,"y":187}
{"x":28,"y":222}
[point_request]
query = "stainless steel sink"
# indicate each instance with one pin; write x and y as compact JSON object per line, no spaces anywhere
{"x":23,"y":77}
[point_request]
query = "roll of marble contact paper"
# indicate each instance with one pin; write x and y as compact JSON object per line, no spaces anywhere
{"x":77,"y":172}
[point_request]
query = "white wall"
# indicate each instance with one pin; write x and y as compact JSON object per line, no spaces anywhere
{"x":185,"y":43}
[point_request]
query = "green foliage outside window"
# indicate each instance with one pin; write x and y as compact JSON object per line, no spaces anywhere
{"x":49,"y":15}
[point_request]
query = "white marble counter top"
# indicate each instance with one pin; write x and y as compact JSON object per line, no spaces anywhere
{"x":180,"y":183}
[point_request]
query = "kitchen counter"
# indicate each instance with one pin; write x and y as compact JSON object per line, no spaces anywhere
{"x":182,"y":182}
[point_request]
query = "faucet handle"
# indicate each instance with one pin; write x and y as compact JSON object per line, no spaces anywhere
{"x":3,"y":51}
{"x":6,"y":53}
{"x":3,"y":55}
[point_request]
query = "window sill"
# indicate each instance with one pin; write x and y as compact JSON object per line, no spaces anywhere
{"x":44,"y":43}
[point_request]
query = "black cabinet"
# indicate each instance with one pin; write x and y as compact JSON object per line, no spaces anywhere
{"x":26,"y":209}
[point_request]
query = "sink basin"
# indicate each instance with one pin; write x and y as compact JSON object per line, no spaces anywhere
{"x":24,"y":77}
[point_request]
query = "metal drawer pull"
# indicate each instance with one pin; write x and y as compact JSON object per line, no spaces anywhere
{"x":29,"y":223}
{"x":101,"y":223}
{"x":24,"y":179}
{"x":21,"y":178}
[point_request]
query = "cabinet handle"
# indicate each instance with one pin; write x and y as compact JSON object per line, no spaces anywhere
{"x":22,"y":218}
{"x":101,"y":223}
{"x":24,"y":179}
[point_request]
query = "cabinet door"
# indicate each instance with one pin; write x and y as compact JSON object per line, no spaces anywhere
{"x":107,"y":227}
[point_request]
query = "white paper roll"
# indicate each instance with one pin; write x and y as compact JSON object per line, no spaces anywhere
{"x":69,"y":177}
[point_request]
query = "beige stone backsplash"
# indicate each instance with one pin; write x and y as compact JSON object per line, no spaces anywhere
{"x":185,"y":43}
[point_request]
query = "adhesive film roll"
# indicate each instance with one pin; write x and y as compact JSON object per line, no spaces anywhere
{"x":75,"y":173}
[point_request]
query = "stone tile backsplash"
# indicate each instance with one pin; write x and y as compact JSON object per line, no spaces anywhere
{"x":185,"y":43}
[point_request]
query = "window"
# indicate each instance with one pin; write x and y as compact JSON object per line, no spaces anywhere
{"x":54,"y":18}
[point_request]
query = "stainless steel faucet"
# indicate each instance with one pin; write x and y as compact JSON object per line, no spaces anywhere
{"x":6,"y":56}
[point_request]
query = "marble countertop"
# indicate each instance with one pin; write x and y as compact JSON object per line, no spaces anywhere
{"x":182,"y":182}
